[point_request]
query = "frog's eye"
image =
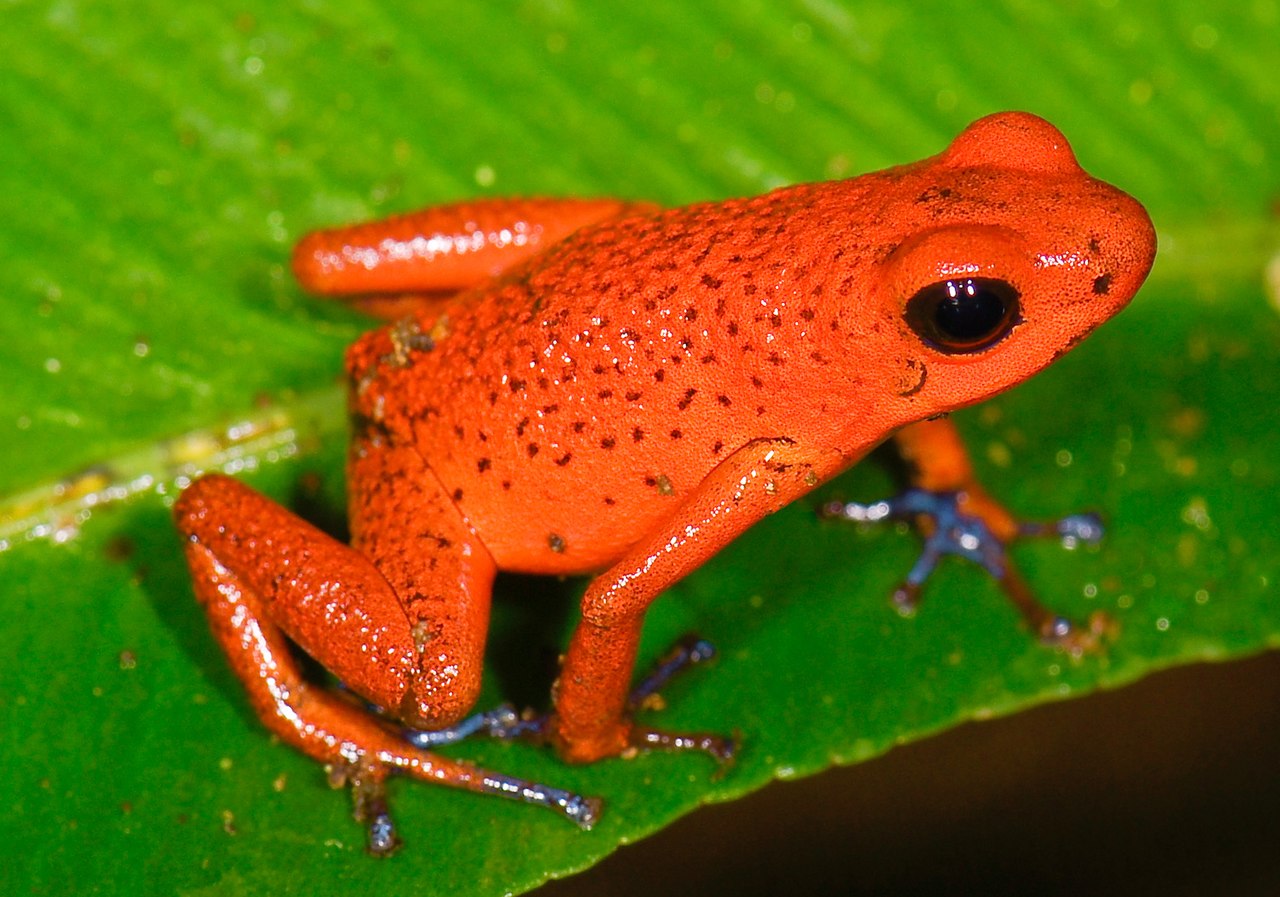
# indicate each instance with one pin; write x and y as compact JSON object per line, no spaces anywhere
{"x":963,"y":314}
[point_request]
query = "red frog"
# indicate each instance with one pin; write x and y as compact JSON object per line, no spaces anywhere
{"x":615,"y":389}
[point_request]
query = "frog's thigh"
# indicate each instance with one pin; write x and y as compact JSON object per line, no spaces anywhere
{"x":262,"y":573}
{"x":405,"y":522}
{"x":404,"y":254}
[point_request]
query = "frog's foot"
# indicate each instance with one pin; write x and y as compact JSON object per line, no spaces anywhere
{"x":539,"y":728}
{"x":953,"y":525}
{"x":625,"y":737}
{"x":369,"y":793}
{"x":493,"y":722}
{"x":369,"y":797}
{"x":685,"y":653}
{"x":367,"y":780}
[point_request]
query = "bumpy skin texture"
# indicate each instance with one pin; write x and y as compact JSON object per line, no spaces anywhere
{"x":621,"y":390}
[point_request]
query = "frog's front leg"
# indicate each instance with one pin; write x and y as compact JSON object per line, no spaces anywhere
{"x":400,"y":619}
{"x":591,"y":717}
{"x":959,"y":517}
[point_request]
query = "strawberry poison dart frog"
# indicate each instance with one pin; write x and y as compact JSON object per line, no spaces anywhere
{"x":616,"y":389}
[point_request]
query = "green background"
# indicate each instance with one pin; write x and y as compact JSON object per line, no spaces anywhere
{"x":156,"y":164}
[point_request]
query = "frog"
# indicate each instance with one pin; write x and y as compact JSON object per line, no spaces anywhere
{"x":617,"y":389}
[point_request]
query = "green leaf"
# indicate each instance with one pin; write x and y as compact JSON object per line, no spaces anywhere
{"x":155,"y":167}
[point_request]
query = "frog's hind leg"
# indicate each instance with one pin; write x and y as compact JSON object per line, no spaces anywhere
{"x":415,"y":263}
{"x":265,"y":576}
{"x":406,"y":524}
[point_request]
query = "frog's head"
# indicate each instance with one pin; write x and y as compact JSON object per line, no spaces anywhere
{"x":1012,"y":255}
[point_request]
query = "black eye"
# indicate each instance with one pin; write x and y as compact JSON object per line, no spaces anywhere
{"x":963,"y":315}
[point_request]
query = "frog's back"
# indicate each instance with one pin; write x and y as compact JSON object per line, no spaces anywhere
{"x":572,"y":403}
